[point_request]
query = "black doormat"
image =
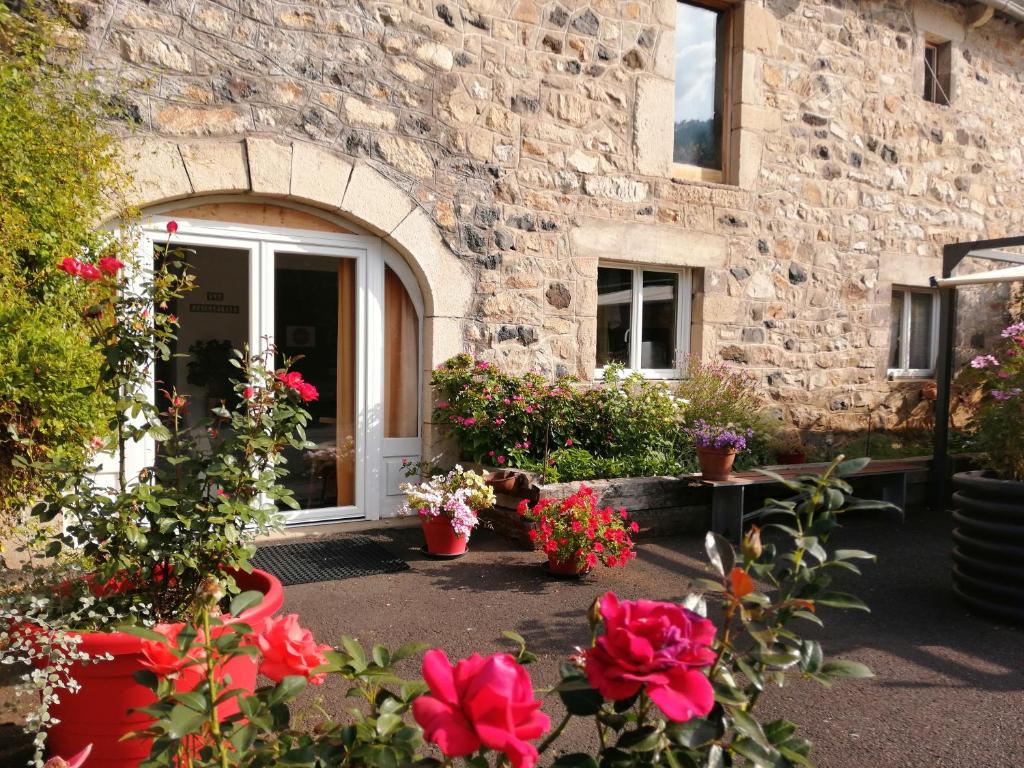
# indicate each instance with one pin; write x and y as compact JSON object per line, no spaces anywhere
{"x":329,"y":560}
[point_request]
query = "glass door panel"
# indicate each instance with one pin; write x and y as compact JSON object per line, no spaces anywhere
{"x":315,"y":320}
{"x":214,"y":319}
{"x":401,"y":359}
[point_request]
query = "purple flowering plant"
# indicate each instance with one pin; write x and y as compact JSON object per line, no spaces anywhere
{"x":999,"y":410}
{"x":705,"y":435}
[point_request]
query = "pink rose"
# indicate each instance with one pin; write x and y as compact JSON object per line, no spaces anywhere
{"x":160,"y":657}
{"x":288,"y":649}
{"x":480,"y":701}
{"x":110,"y":266}
{"x":660,"y":646}
{"x":72,"y":762}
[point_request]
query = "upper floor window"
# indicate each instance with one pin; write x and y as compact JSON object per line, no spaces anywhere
{"x":913,"y":340}
{"x":643,"y":318}
{"x":702,"y":83}
{"x":937,"y":72}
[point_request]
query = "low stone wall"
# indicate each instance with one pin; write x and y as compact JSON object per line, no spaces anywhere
{"x":662,"y":506}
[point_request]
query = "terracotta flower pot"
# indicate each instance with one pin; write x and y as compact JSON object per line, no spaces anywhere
{"x":716,"y":463}
{"x":100,"y":713}
{"x":441,"y":537}
{"x":570,"y":567}
{"x":503,"y":481}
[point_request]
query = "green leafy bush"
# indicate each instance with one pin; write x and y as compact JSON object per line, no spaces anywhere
{"x":622,"y":426}
{"x":57,"y":176}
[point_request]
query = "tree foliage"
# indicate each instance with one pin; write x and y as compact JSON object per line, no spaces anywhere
{"x":58,"y":177}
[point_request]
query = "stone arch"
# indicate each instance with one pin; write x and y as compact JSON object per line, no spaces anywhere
{"x":164,"y":170}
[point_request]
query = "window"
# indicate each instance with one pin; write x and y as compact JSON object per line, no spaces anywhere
{"x":937,"y":72}
{"x":913,"y":344}
{"x":702,"y":74}
{"x":643,"y":318}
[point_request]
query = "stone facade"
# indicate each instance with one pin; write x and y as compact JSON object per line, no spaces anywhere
{"x":532,"y":138}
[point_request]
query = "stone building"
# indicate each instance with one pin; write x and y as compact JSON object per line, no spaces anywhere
{"x":560,"y":184}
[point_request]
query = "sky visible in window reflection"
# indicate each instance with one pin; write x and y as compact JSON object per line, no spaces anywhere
{"x":695,"y":62}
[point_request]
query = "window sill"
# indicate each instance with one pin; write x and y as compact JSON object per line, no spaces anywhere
{"x":685,"y":173}
{"x":909,"y":376}
{"x":653,"y":374}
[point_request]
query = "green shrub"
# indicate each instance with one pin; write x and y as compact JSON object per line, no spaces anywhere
{"x":621,"y":426}
{"x":57,"y":176}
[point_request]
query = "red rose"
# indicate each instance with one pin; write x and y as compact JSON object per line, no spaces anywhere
{"x":110,"y":266}
{"x":288,"y":649}
{"x":172,"y":227}
{"x":660,"y":646}
{"x":71,"y":265}
{"x":160,"y":657}
{"x":480,"y":702}
{"x":90,"y":272}
{"x":307,"y":392}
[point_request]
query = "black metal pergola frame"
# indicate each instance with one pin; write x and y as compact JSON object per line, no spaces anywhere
{"x":952,"y":255}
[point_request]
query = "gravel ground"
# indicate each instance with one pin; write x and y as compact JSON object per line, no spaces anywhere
{"x":949,"y":689}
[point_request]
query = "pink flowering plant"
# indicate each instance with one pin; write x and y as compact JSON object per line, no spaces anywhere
{"x":459,"y":495}
{"x":661,"y":683}
{"x":575,"y":531}
{"x":999,"y":413}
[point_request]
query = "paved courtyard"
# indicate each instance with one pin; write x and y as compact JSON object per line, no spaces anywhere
{"x":949,"y":689}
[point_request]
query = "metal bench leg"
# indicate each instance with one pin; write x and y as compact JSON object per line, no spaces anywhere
{"x":727,"y":511}
{"x":894,"y":491}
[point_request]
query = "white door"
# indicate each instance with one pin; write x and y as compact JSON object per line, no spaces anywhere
{"x":332,"y":300}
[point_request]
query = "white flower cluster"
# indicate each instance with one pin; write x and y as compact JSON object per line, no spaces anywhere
{"x":459,"y":495}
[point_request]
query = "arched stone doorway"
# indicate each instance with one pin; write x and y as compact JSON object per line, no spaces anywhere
{"x":307,"y":230}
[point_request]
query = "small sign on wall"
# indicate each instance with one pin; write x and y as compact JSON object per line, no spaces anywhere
{"x":300,"y":336}
{"x":215,"y":309}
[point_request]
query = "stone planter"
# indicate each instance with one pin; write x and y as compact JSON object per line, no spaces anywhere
{"x":988,"y":544}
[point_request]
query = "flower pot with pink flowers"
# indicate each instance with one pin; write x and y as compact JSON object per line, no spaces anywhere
{"x":661,"y":684}
{"x":577,"y":536}
{"x":717,"y":447}
{"x":449,"y":507}
{"x":142,"y":553}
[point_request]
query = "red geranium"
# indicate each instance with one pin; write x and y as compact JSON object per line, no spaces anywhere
{"x":480,"y":702}
{"x":661,"y":647}
{"x":575,"y":530}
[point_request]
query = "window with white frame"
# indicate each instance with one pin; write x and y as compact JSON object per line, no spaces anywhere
{"x":643,"y":318}
{"x":913,"y":340}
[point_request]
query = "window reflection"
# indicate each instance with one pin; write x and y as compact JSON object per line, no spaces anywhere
{"x":658,"y":346}
{"x":699,"y":69}
{"x":614,"y":315}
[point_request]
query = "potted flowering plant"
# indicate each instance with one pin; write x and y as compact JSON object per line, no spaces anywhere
{"x":136,"y":551}
{"x":717,"y":447}
{"x":989,"y":516}
{"x":661,"y":683}
{"x":449,"y":507}
{"x":576,"y":535}
{"x":788,"y":446}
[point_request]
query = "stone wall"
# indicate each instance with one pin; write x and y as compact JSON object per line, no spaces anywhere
{"x":536,"y":137}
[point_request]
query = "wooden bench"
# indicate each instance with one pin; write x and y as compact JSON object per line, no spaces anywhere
{"x":728,"y":497}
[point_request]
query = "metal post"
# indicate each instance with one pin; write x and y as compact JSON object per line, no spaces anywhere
{"x":944,"y":376}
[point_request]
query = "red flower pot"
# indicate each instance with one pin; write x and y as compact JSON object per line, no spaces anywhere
{"x":100,"y":713}
{"x":503,"y":481}
{"x":441,"y":537}
{"x":570,"y":567}
{"x":716,"y":463}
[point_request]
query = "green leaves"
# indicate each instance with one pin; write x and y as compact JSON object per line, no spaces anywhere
{"x":523,"y":656}
{"x":720,"y":553}
{"x":576,"y":694}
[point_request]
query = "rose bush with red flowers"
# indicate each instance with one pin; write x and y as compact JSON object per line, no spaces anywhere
{"x":480,"y":702}
{"x":661,"y":647}
{"x":288,"y":649}
{"x":574,"y":530}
